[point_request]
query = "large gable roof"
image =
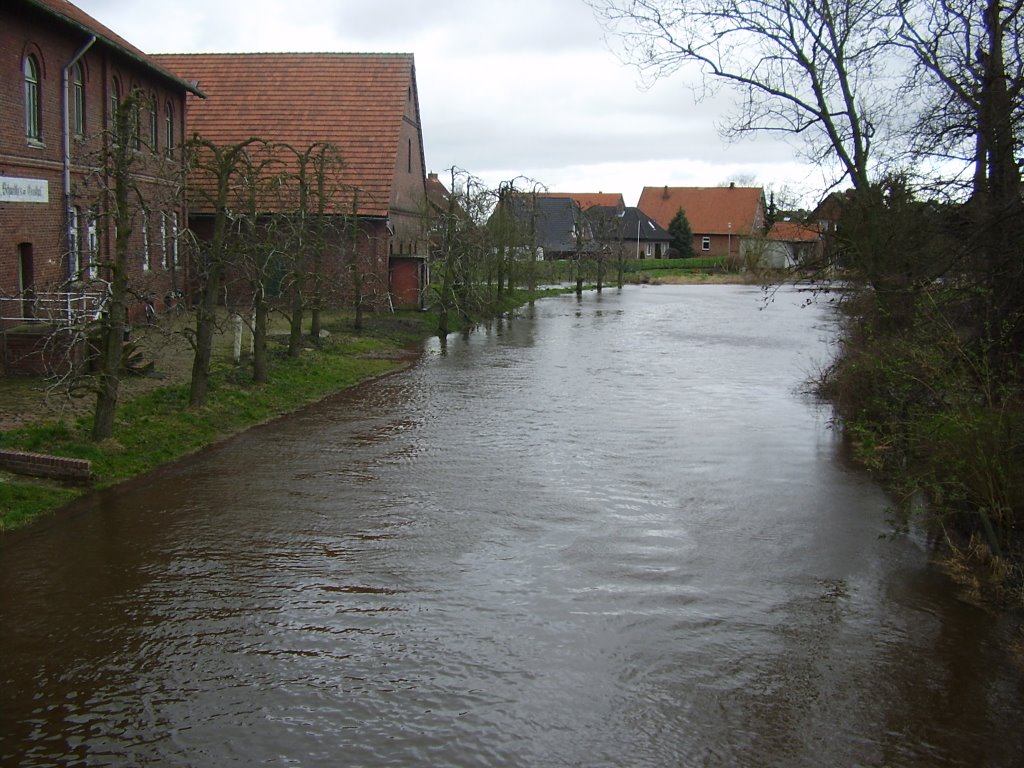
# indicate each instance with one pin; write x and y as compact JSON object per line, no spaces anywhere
{"x":626,"y":224}
{"x":355,"y":101}
{"x":75,"y":18}
{"x":553,"y":220}
{"x":709,"y":210}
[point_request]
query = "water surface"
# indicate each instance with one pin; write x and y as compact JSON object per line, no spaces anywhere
{"x":604,"y":532}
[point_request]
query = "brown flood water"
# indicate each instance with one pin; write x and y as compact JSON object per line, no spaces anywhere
{"x":605,"y":532}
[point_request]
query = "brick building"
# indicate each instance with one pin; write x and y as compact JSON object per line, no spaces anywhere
{"x":366,"y":107}
{"x":723,"y":219}
{"x":62,"y":77}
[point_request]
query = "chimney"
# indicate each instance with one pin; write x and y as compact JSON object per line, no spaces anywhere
{"x":432,"y":176}
{"x":665,"y":193}
{"x":732,"y":185}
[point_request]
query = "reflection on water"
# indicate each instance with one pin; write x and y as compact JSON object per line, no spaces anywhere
{"x":604,"y":532}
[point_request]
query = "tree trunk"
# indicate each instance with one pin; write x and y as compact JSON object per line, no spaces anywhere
{"x":260,"y":367}
{"x":111,"y":351}
{"x":206,"y":325}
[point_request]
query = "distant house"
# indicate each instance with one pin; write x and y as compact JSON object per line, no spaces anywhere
{"x":721,"y":218}
{"x":826,"y":217}
{"x":62,"y":76}
{"x":629,"y":229}
{"x":791,"y":244}
{"x":552,"y":227}
{"x":366,"y":106}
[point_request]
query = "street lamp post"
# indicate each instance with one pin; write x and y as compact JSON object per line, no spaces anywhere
{"x":729,"y":246}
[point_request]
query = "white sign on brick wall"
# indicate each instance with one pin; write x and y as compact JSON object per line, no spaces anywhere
{"x":15,"y":190}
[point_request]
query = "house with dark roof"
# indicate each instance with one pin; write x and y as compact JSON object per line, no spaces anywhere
{"x":722,"y":219}
{"x":827,"y":217}
{"x":550,"y":226}
{"x":630,"y":231}
{"x":588,"y":200}
{"x":366,"y":106}
{"x":62,"y":76}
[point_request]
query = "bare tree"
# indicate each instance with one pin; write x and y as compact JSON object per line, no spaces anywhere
{"x":969,"y":55}
{"x":814,"y":70}
{"x":129,"y":183}
{"x":215,"y":171}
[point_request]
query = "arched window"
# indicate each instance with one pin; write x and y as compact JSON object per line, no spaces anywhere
{"x":169,"y":129}
{"x":33,"y":110}
{"x":78,"y":98}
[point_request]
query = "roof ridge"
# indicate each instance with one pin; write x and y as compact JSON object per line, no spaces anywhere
{"x":395,"y":54}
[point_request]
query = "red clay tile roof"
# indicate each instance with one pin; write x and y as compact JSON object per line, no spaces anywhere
{"x":75,"y":17}
{"x":710,"y":210}
{"x":355,"y":101}
{"x":793,"y":232}
{"x":586,"y":200}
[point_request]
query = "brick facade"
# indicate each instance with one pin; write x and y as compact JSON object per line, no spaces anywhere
{"x":42,"y":248}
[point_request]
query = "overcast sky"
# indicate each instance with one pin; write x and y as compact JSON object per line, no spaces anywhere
{"x":507,"y":87}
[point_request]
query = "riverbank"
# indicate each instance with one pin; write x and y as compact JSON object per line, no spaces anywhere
{"x":154,"y":424}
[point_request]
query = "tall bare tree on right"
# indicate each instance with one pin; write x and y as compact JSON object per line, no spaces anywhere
{"x":971,"y":70}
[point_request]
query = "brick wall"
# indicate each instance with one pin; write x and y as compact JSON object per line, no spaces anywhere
{"x":25,"y":30}
{"x":44,"y":465}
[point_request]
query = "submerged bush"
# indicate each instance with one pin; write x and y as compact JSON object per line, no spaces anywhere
{"x":925,"y":410}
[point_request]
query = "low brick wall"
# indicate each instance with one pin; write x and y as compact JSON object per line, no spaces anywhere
{"x":44,"y":465}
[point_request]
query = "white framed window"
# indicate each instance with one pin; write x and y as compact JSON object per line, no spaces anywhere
{"x":33,"y":107}
{"x":174,"y":237}
{"x":154,"y":124}
{"x":92,"y":245}
{"x":145,"y":241}
{"x":74,"y":246}
{"x":705,"y":243}
{"x":78,"y":98}
{"x":169,"y":129}
{"x":136,"y":102}
{"x":163,"y":241}
{"x":115,"y":104}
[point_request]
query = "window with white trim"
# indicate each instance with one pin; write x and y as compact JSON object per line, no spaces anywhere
{"x":169,"y":129}
{"x":33,"y":107}
{"x":74,"y":246}
{"x":78,"y":98}
{"x":115,"y":104}
{"x":174,"y":237}
{"x":154,"y":123}
{"x":705,"y":243}
{"x":92,"y":244}
{"x":145,"y":241}
{"x":163,"y":240}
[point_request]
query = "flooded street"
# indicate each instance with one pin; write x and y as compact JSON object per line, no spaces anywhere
{"x":605,"y":532}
